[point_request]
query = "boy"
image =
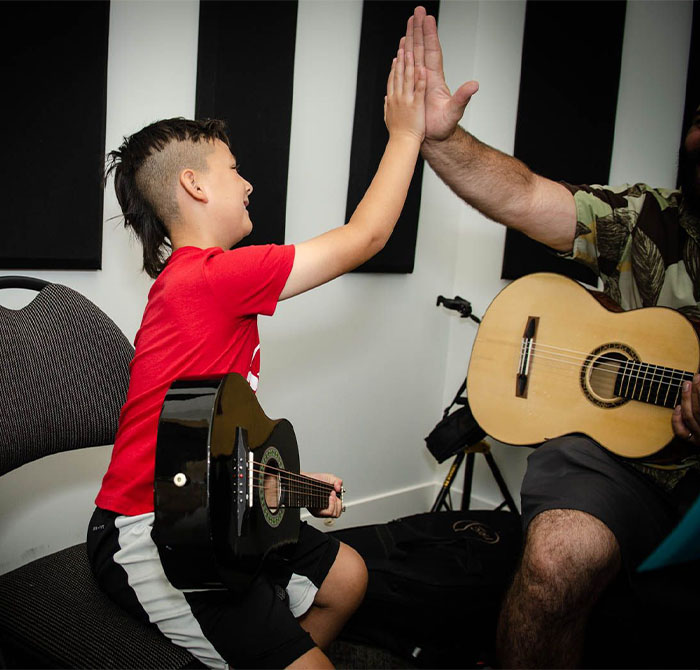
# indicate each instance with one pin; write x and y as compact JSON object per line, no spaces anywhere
{"x":178,"y":186}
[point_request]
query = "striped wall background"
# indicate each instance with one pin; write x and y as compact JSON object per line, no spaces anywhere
{"x":54,"y":79}
{"x":363,"y":366}
{"x":569,"y":84}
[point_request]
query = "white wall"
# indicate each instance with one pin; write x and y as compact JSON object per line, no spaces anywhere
{"x":363,"y":366}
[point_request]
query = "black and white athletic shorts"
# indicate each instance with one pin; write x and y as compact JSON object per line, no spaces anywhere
{"x":574,"y":472}
{"x":258,"y":628}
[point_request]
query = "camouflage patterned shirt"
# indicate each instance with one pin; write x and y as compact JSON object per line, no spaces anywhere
{"x":645,"y":246}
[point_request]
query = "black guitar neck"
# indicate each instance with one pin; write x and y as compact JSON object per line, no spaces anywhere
{"x":299,"y":490}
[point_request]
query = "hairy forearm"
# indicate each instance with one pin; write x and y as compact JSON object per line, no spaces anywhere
{"x":504,"y":189}
{"x":498,"y":185}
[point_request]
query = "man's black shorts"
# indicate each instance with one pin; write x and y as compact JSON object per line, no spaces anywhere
{"x":574,"y":472}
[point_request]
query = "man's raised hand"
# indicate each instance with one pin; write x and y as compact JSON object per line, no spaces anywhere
{"x":442,"y":109}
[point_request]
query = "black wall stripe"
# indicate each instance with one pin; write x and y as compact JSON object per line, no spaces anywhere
{"x":566,"y":110}
{"x":383,"y":25}
{"x":53,"y":64}
{"x":245,"y":73}
{"x":692,"y":86}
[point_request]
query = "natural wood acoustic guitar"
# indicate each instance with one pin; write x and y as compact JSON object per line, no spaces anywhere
{"x":549,"y":359}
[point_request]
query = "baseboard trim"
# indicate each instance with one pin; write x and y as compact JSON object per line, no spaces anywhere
{"x":391,"y":505}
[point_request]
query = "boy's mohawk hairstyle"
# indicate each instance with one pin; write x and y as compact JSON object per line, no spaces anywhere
{"x":126,"y":161}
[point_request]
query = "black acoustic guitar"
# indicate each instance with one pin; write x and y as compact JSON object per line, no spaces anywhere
{"x":227,"y":484}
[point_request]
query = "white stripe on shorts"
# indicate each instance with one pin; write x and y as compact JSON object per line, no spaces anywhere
{"x":165,"y":605}
{"x":302,"y":592}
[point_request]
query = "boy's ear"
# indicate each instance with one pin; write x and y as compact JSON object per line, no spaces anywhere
{"x":190,"y":182}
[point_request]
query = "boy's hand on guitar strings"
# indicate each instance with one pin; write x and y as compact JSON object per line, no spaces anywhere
{"x":335,"y":504}
{"x":686,"y":416}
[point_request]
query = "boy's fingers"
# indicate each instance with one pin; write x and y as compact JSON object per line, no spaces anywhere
{"x":408,"y":78}
{"x":390,"y":80}
{"x":399,"y":72}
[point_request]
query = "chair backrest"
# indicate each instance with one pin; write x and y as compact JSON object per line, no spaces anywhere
{"x":64,"y":373}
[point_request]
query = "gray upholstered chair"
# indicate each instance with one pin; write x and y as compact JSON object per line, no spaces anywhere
{"x":63,"y":378}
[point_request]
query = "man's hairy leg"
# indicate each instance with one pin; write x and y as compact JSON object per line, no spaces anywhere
{"x":568,"y":559}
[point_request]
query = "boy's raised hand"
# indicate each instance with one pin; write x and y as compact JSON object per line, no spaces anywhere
{"x":404,"y":104}
{"x":442,"y":109}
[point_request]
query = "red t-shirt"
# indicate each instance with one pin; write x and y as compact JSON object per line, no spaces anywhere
{"x":201,"y":318}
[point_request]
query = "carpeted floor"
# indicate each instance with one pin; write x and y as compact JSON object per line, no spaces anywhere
{"x":347,"y":655}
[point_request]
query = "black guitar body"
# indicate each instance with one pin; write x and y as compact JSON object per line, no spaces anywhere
{"x":214,"y":518}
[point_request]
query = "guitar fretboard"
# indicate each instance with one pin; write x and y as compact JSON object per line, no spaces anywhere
{"x":306,"y":492}
{"x":654,"y":384}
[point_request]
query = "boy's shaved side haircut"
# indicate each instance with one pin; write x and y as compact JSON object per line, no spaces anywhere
{"x":145,"y":170}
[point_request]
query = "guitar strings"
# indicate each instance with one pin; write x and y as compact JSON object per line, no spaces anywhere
{"x":311,"y":481}
{"x":629,"y":378}
{"x":626,"y":367}
{"x":311,"y":499}
{"x":582,"y":356}
{"x":323,"y":495}
{"x":310,"y":490}
{"x":667,"y":375}
{"x":631,"y":368}
{"x":320,"y":503}
{"x":565,"y":366}
{"x":305,"y":484}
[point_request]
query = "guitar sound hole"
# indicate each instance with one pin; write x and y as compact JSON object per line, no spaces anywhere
{"x":604,"y":372}
{"x":600,"y":373}
{"x":272,"y":486}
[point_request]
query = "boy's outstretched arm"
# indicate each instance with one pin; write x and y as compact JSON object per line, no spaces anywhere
{"x":342,"y":249}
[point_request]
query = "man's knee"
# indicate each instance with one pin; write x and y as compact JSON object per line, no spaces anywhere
{"x":568,"y":554}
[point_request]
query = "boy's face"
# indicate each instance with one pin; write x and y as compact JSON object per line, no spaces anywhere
{"x":228,"y":196}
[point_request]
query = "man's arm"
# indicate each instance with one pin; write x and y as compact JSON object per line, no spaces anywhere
{"x":500,"y":186}
{"x":342,"y":249}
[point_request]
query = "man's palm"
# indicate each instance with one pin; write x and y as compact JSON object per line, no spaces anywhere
{"x":442,"y":109}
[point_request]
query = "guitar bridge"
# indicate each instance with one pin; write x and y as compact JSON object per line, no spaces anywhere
{"x":251,"y":478}
{"x":243,"y":478}
{"x":526,"y":353}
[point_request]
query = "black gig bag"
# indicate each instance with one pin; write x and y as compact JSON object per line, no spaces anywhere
{"x":436,"y":582}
